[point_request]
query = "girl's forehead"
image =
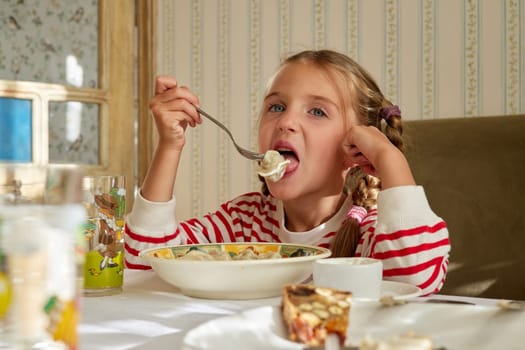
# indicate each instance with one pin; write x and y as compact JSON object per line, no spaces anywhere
{"x":308,"y":78}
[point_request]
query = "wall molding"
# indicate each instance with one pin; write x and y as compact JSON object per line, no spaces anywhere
{"x":391,"y":50}
{"x":471,"y":57}
{"x":512,"y":55}
{"x":428,"y":59}
{"x":196,"y":76}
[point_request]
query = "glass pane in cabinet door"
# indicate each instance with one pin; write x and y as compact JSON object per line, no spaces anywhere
{"x":50,"y":41}
{"x":16,"y":127}
{"x":74,"y":132}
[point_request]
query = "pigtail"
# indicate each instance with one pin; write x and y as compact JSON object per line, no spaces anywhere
{"x":346,"y":239}
{"x":393,"y":128}
{"x":363,"y":189}
{"x":264,"y":187}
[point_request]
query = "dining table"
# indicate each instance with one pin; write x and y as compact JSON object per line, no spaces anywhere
{"x":150,"y":313}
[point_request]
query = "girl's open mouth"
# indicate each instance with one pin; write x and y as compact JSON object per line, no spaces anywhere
{"x":291,"y":157}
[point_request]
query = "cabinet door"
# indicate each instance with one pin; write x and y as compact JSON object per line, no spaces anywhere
{"x":66,"y":85}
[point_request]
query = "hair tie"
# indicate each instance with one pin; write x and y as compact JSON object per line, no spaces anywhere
{"x":389,"y":111}
{"x":357,"y":213}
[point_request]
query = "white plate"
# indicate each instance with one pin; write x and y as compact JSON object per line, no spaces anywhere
{"x":399,"y":290}
{"x":453,"y":326}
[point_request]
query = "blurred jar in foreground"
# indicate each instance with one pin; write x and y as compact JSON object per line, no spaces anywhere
{"x":41,"y":256}
{"x":105,"y":203}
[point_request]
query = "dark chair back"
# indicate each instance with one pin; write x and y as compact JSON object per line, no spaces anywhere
{"x":473,"y":172}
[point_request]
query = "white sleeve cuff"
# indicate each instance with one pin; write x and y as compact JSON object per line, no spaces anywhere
{"x":153,"y":218}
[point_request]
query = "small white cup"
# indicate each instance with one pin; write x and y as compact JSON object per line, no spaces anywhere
{"x":361,"y":276}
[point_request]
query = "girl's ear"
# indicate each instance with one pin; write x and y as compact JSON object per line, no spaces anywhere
{"x":347,"y":163}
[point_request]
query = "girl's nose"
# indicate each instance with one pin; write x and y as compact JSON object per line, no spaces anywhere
{"x":287,"y":121}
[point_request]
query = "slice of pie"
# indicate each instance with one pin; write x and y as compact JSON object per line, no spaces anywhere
{"x":310,"y":313}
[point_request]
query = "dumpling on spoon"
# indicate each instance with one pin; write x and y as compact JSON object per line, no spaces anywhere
{"x":272,"y":166}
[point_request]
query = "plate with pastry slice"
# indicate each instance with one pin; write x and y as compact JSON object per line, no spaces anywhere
{"x":425,"y":325}
{"x":311,"y":313}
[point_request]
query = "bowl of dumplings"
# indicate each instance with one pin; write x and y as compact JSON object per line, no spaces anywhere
{"x":233,"y":270}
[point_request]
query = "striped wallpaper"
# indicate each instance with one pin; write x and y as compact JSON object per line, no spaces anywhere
{"x":435,"y":58}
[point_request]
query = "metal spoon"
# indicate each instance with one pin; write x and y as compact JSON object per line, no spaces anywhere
{"x":243,"y":151}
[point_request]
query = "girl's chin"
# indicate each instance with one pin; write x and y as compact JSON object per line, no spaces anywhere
{"x":285,"y":184}
{"x":282,"y":182}
{"x":282,"y":191}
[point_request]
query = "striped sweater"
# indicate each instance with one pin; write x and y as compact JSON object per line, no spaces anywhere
{"x":402,"y":231}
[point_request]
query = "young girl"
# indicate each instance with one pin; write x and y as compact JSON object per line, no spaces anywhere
{"x":347,"y":186}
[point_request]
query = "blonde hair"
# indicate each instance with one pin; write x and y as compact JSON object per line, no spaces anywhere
{"x":368,"y":102}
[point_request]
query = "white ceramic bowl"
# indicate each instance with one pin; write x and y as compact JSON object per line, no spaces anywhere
{"x":234,"y":279}
{"x":359,"y":275}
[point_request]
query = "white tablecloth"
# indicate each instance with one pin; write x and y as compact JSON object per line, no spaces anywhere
{"x":152,"y":314}
{"x":149,"y":314}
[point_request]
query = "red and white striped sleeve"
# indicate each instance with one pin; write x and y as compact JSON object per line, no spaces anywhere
{"x":408,"y":237}
{"x":150,"y":224}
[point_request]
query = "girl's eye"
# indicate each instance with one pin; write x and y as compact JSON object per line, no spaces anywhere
{"x":317,"y":112}
{"x":275,"y":108}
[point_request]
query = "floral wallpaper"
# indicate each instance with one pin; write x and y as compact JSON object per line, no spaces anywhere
{"x":73,"y":132}
{"x":55,"y":41}
{"x":49,"y":41}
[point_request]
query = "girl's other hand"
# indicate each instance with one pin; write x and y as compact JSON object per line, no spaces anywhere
{"x":369,"y":148}
{"x":173,"y":110}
